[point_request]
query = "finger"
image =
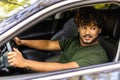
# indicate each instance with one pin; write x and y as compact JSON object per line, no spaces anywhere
{"x":10,"y":55}
{"x":16,"y":38}
{"x":16,"y":50}
{"x":11,"y":60}
{"x":12,"y":64}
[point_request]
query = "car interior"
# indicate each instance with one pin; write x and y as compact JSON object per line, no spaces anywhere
{"x":60,"y":26}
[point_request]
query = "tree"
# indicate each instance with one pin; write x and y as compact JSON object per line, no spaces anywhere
{"x":10,"y":7}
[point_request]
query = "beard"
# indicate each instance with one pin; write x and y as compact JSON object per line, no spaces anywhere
{"x":85,"y":41}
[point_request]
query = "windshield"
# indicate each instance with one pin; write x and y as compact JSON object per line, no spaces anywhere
{"x":10,"y":7}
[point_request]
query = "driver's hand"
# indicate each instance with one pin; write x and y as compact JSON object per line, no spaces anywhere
{"x":17,"y":41}
{"x":16,"y":59}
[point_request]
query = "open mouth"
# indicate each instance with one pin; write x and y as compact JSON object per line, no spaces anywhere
{"x":87,"y":37}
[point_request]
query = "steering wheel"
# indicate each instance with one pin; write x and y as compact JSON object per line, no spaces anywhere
{"x":4,"y":65}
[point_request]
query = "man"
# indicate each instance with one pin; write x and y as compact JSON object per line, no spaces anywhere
{"x":78,"y":52}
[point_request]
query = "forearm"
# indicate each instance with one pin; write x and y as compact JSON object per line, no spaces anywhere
{"x":37,"y":44}
{"x":49,"y":66}
{"x":16,"y":59}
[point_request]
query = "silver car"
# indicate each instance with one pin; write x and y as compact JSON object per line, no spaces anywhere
{"x":54,"y":20}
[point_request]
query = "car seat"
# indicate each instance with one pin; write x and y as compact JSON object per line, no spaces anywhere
{"x":69,"y":30}
{"x":111,"y":34}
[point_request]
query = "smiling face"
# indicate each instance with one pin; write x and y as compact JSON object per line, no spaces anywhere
{"x":89,"y":33}
{"x":90,"y":23}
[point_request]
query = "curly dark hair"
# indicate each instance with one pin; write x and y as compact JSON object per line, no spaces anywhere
{"x":87,"y":15}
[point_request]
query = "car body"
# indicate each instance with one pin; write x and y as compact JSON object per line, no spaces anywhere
{"x":44,"y":19}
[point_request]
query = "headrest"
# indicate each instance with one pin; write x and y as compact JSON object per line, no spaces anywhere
{"x":70,"y":29}
{"x":112,"y":24}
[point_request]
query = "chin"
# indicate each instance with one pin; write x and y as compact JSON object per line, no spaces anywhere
{"x":88,"y":42}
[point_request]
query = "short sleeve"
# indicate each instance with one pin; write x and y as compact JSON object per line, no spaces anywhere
{"x":64,"y":44}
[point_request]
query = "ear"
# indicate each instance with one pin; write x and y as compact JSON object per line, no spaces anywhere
{"x":100,"y":30}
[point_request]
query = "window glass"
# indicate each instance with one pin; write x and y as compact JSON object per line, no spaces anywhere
{"x":10,"y":7}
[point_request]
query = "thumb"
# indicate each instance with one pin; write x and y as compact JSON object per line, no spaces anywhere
{"x":17,"y":41}
{"x":16,"y":38}
{"x":16,"y":50}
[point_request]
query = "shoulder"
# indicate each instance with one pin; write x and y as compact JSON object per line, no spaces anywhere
{"x":69,"y":39}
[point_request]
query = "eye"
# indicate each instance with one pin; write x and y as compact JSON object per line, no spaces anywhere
{"x":93,"y":28}
{"x":83,"y":27}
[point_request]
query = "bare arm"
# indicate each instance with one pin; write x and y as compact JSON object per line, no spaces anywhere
{"x":15,"y":59}
{"x":39,"y":44}
{"x":49,"y":66}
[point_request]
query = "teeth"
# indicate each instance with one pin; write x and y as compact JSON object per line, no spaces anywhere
{"x":87,"y":36}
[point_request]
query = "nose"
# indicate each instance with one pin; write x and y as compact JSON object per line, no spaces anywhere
{"x":87,"y":31}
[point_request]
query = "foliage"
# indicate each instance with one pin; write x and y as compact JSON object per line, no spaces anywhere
{"x":10,"y":7}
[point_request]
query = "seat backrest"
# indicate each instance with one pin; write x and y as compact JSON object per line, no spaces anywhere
{"x":110,"y":48}
{"x":111,"y":34}
{"x":112,"y":23}
{"x":69,"y":30}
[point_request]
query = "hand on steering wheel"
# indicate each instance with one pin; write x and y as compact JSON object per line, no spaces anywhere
{"x":8,"y":47}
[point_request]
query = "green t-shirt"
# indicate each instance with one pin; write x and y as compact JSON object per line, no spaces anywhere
{"x":83,"y":55}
